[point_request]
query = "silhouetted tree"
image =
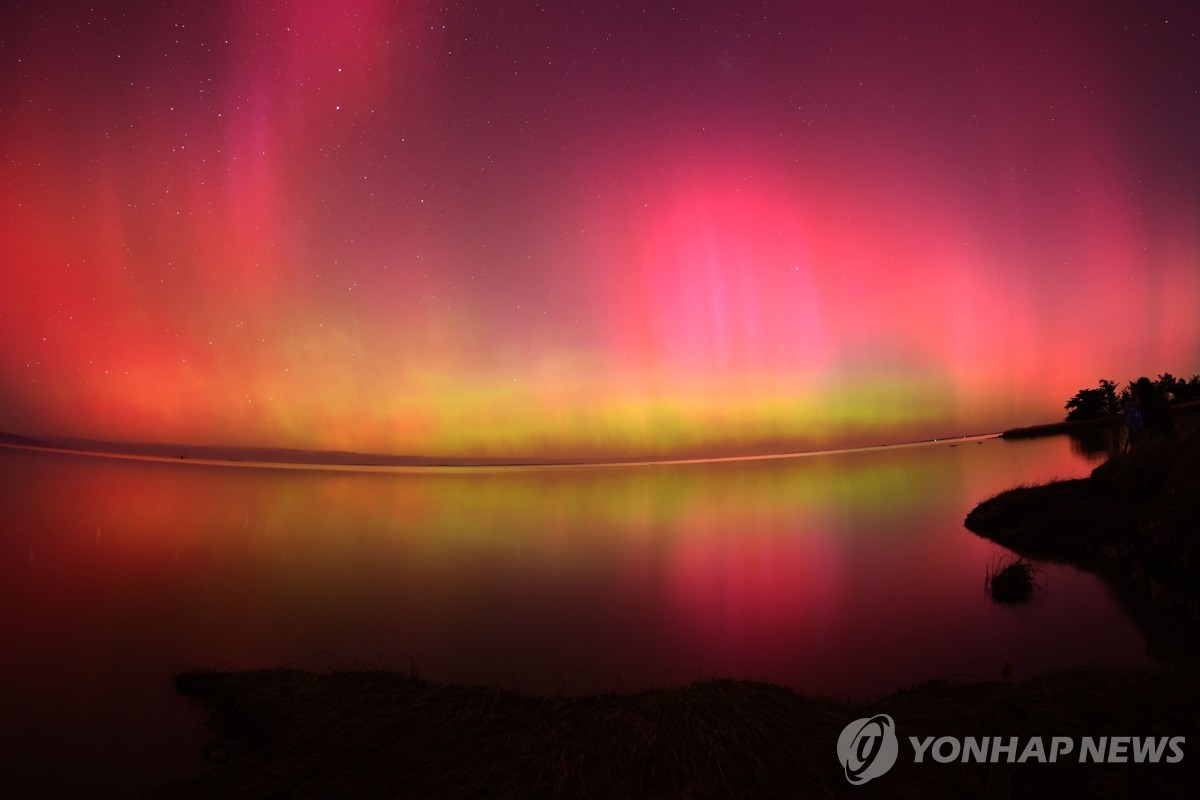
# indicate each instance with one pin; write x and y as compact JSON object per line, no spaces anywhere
{"x":1111,"y":403}
{"x":1188,"y":391}
{"x":1180,"y":390}
{"x":1094,"y":403}
{"x":1106,"y":401}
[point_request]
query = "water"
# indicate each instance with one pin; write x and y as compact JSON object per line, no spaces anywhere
{"x":846,"y":574}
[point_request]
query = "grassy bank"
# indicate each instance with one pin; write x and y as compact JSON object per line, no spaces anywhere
{"x":288,"y":733}
{"x":1136,"y":518}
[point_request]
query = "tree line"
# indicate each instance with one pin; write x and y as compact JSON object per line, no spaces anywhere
{"x":1106,"y":401}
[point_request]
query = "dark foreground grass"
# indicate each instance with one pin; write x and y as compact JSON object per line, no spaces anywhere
{"x":288,"y":733}
{"x":1136,"y":519}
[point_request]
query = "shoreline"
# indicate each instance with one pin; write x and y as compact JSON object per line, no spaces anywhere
{"x":1087,"y":425}
{"x":285,"y":458}
{"x":350,"y":462}
{"x":1133,"y":519}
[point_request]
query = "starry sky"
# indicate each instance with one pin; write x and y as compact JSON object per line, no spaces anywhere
{"x":589,"y":229}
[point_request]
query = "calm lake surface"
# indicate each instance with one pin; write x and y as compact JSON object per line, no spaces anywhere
{"x":846,"y":574}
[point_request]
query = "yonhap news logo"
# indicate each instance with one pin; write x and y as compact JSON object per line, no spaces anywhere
{"x":869,"y":747}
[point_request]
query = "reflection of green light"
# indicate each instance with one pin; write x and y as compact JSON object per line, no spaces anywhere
{"x":481,"y":505}
{"x":446,"y":509}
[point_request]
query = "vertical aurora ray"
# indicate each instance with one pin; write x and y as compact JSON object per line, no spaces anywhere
{"x":526,"y":232}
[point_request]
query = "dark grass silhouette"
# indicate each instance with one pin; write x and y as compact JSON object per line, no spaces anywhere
{"x":288,"y":733}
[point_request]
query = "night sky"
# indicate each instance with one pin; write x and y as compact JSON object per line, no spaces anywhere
{"x":589,"y":229}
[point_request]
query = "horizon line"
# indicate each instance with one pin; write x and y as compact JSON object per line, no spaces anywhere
{"x":434,"y":463}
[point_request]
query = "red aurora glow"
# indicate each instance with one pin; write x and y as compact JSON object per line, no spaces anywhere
{"x":517,"y":230}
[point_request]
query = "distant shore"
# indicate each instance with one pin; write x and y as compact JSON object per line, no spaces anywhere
{"x":1054,"y":428}
{"x":282,"y":458}
{"x":319,"y":459}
